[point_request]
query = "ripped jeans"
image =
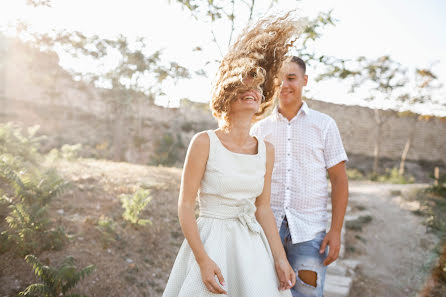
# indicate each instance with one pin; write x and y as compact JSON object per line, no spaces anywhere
{"x":305,"y":256}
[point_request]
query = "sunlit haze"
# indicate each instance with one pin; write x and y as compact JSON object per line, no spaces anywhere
{"x":410,"y":31}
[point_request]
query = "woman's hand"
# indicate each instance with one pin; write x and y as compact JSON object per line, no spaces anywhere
{"x":209,"y":270}
{"x":285,"y":273}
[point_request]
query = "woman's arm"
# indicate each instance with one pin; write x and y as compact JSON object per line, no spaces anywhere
{"x":265,"y":217}
{"x":193,"y":171}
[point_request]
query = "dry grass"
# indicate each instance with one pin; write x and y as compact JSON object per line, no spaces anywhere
{"x":130,"y":261}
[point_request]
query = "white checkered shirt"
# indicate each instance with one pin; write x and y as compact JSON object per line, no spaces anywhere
{"x":304,"y":148}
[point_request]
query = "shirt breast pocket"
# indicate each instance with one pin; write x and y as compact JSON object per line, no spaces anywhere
{"x":313,"y":153}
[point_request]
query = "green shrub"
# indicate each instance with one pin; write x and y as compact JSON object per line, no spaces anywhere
{"x":393,"y":176}
{"x":187,"y":126}
{"x":67,"y":151}
{"x":26,"y":192}
{"x":134,"y":204}
{"x":29,"y":230}
{"x":354,"y":174}
{"x":19,"y":148}
{"x":107,"y":227}
{"x":439,"y":189}
{"x":56,"y":281}
{"x":357,"y":224}
{"x":71,"y":152}
{"x":167,"y":150}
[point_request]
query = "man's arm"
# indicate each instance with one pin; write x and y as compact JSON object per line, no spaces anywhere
{"x":339,"y":199}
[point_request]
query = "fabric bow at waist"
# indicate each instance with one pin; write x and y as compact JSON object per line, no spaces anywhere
{"x":244,"y":212}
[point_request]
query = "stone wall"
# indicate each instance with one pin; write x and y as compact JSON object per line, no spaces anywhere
{"x":358,"y":130}
{"x":28,"y":75}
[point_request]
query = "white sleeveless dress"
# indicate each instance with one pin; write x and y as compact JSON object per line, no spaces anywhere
{"x":230,"y":233}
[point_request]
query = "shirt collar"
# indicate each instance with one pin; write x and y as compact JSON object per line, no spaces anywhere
{"x":303,"y":109}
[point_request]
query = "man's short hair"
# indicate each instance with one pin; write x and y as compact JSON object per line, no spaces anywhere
{"x":299,"y":62}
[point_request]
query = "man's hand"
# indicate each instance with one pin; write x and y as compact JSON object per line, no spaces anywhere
{"x":333,"y":240}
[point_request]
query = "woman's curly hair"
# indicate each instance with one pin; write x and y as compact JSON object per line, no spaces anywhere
{"x":258,"y":53}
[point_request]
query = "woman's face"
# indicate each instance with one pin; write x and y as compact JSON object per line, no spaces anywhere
{"x":248,"y":98}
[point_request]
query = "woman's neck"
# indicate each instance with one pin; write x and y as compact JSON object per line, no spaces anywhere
{"x":239,"y":130}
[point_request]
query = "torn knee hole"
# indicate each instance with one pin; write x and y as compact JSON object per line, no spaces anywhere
{"x":308,"y":277}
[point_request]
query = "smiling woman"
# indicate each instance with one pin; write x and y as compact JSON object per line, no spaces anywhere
{"x":234,"y":247}
{"x":252,"y":63}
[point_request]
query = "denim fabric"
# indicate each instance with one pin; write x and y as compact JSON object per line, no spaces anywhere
{"x":305,"y":256}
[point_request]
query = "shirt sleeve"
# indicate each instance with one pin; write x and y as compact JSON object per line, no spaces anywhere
{"x":334,"y":152}
{"x":255,"y":130}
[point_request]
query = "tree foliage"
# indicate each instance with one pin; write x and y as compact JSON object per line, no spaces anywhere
{"x":239,"y":14}
{"x":134,"y":61}
{"x":37,"y":3}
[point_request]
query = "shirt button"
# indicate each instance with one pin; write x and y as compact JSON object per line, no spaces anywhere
{"x":286,"y":207}
{"x":289,"y":154}
{"x":289,"y":139}
{"x":289,"y":170}
{"x":287,"y":188}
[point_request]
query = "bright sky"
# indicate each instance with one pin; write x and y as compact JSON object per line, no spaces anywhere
{"x":411,"y":31}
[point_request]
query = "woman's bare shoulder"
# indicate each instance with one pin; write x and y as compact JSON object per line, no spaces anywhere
{"x":199,"y":144}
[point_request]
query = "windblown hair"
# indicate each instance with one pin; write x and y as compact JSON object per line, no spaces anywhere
{"x":258,"y":54}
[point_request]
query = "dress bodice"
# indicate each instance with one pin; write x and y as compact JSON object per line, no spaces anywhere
{"x":230,"y":175}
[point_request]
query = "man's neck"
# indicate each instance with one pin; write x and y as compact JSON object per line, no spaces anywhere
{"x":289,"y":111}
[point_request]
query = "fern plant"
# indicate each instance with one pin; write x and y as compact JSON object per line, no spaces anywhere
{"x":29,"y":228}
{"x":31,"y":231}
{"x":107,"y":228}
{"x":32,"y":186}
{"x":134,"y":204}
{"x":22,"y":148}
{"x":55,"y":281}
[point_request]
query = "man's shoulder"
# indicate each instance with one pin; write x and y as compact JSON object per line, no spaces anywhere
{"x":318,"y":116}
{"x":262,"y":127}
{"x":263,"y":122}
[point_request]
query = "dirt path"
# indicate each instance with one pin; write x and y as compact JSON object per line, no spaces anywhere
{"x":394,"y":249}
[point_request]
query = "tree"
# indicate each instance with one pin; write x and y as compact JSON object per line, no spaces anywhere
{"x":134,"y":77}
{"x":425,"y":82}
{"x":217,"y":10}
{"x":37,"y":3}
{"x":385,"y":80}
{"x":239,"y":14}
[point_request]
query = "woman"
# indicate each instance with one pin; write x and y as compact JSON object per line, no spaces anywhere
{"x":234,"y":247}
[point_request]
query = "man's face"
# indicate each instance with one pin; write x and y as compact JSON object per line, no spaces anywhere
{"x":293,"y":80}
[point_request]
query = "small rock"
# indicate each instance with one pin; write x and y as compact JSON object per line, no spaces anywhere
{"x":60,"y":211}
{"x":129,"y":260}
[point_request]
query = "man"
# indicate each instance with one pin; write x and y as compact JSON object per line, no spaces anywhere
{"x":307,"y":146}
